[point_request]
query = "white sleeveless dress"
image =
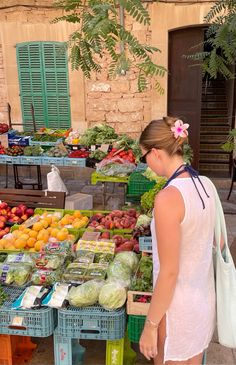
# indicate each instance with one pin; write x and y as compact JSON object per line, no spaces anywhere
{"x":190,"y":319}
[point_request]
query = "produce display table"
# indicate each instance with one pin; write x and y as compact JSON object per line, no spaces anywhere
{"x":106,"y":180}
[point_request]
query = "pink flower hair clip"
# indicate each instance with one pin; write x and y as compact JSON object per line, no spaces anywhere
{"x":180,"y":129}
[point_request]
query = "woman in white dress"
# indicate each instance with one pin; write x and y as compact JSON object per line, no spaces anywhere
{"x":181,"y":318}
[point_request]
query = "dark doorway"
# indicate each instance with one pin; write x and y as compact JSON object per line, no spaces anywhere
{"x":200,"y":102}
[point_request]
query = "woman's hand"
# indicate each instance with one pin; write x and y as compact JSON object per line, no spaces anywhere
{"x":148,"y":341}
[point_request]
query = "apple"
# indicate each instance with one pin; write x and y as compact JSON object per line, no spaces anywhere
{"x":18,"y":212}
{"x":24,"y":217}
{"x":29,"y":211}
{"x":7,"y":229}
{"x":13,"y":210}
{"x":3,"y":211}
{"x":2,"y":225}
{"x":3,"y":219}
{"x":16,"y":218}
{"x":3,"y":205}
{"x":22,"y":207}
{"x":2,"y":233}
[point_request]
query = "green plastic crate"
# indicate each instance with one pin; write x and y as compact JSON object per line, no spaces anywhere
{"x":135,"y":327}
{"x":138,"y":184}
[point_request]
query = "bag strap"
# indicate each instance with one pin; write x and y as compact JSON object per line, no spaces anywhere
{"x":220,"y":229}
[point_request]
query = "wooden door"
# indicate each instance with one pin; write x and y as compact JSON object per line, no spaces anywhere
{"x":185,"y":82}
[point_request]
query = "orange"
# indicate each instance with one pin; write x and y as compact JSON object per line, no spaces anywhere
{"x":62,"y":235}
{"x":54,"y":232}
{"x":17,"y":233}
{"x":38,"y":226}
{"x":31,"y":249}
{"x":44,"y":223}
{"x":24,"y":236}
{"x":26,"y":230}
{"x":21,"y":227}
{"x":48,"y":219}
{"x":77,"y":214}
{"x":71,"y":237}
{"x":31,"y":241}
{"x":19,"y":243}
{"x":33,"y":233}
{"x":38,"y":245}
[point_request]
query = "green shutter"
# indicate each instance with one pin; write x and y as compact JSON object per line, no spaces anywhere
{"x":43,"y":76}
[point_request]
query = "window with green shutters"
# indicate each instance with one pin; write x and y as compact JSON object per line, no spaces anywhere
{"x":43,"y":77}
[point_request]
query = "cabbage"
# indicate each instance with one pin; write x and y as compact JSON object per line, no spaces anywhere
{"x":143,"y":220}
{"x":112,"y":296}
{"x":128,"y":258}
{"x":119,"y":271}
{"x":85,"y":294}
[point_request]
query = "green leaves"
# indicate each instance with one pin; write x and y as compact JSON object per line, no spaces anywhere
{"x":101,"y":32}
{"x":230,"y":145}
{"x":220,"y":41}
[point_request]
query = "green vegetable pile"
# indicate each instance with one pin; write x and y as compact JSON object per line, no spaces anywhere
{"x":3,"y":296}
{"x":101,"y":133}
{"x":33,"y":151}
{"x":98,"y":155}
{"x":44,"y":138}
{"x":188,"y":153}
{"x":143,"y":278}
{"x":58,"y":151}
{"x":148,"y":198}
{"x":128,"y":143}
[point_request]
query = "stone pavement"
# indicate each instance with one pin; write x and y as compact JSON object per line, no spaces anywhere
{"x":79,"y":181}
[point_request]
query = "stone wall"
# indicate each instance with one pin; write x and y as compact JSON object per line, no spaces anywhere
{"x":3,"y":90}
{"x":115,"y":101}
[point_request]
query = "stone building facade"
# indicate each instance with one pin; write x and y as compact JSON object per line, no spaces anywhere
{"x":99,"y":99}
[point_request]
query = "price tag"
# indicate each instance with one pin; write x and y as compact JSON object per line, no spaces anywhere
{"x":104,"y":147}
{"x":93,"y":148}
{"x":31,"y":221}
{"x":17,"y":321}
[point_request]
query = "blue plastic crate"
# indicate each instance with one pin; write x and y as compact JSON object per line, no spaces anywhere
{"x":145,"y":244}
{"x":31,"y":160}
{"x":67,"y":351}
{"x":92,"y":323}
{"x":58,"y":161}
{"x":38,"y":323}
{"x":81,"y":162}
{"x":35,"y":143}
{"x":5,"y":159}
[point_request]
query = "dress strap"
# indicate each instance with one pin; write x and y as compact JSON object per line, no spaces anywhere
{"x":193,"y":174}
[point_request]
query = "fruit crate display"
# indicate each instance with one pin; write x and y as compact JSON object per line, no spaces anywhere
{"x":140,"y":307}
{"x":145,"y":244}
{"x":15,"y":349}
{"x":37,"y":323}
{"x":92,"y":322}
{"x":138,"y":184}
{"x":135,"y":327}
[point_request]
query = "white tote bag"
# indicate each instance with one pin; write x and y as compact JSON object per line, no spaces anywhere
{"x":225,"y":282}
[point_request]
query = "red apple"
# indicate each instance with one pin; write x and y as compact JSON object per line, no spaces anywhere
{"x":3,"y":212}
{"x":3,"y":219}
{"x":16,"y":219}
{"x":3,"y":205}
{"x":29,"y":211}
{"x":2,"y":233}
{"x":24,"y":217}
{"x":7,"y":229}
{"x":18,"y":212}
{"x":13,"y":210}
{"x":22,"y":207}
{"x":2,"y":225}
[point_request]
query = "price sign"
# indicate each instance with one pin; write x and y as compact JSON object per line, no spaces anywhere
{"x":17,"y":321}
{"x":104,"y":147}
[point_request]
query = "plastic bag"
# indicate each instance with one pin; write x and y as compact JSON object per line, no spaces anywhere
{"x":115,"y":166}
{"x":54,"y":181}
